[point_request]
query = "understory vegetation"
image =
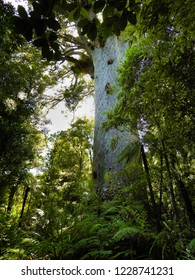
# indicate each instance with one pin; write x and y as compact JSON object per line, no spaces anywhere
{"x":49,"y":205}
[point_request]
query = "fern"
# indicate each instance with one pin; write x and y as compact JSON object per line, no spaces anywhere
{"x":125,"y":254}
{"x":97,"y":255}
{"x":112,"y":210}
{"x":192,"y":244}
{"x":95,"y":227}
{"x":130,"y":151}
{"x":28,"y":242}
{"x":89,"y":242}
{"x":124,"y":233}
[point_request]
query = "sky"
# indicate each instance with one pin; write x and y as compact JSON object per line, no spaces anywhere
{"x":15,"y":2}
{"x":59,"y":116}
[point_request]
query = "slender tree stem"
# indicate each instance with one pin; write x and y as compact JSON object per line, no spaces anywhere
{"x":148,"y":178}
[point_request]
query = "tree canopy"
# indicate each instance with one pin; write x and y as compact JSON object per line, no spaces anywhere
{"x":43,"y":23}
{"x":21,"y":84}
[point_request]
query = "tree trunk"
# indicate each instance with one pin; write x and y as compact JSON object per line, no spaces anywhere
{"x":27,"y":189}
{"x":151,"y":192}
{"x":187,"y":200}
{"x":106,"y":59}
{"x":11,"y":198}
{"x":182,"y":187}
{"x":170,"y":182}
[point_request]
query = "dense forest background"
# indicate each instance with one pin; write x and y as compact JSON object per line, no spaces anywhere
{"x":49,"y":204}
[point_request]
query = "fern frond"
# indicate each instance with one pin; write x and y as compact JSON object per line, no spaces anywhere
{"x":130,"y":151}
{"x":97,"y":255}
{"x":112,"y":210}
{"x":88,"y":242}
{"x":192,"y":244}
{"x":95,"y":227}
{"x":123,"y":254}
{"x":125,"y":233}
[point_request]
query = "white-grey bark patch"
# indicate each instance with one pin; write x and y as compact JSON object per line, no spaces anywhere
{"x":106,"y":59}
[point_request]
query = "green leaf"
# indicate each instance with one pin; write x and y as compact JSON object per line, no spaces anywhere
{"x":117,"y":25}
{"x":97,"y":254}
{"x":20,"y":25}
{"x":70,"y":7}
{"x":97,"y":22}
{"x":50,"y":56}
{"x":92,"y":31}
{"x":55,"y":46}
{"x":74,"y":14}
{"x":84,"y":13}
{"x":40,"y":42}
{"x":108,"y":12}
{"x":88,"y":242}
{"x":124,"y":233}
{"x":53,"y":24}
{"x":112,"y":211}
{"x":57,"y":55}
{"x":40,"y":27}
{"x":120,"y":23}
{"x":28,"y":241}
{"x":45,"y":50}
{"x":130,"y":151}
{"x":85,"y":28}
{"x":98,"y":6}
{"x":108,"y":22}
{"x":52,"y":36}
{"x":46,"y":7}
{"x":131,"y":17}
{"x":192,"y":244}
{"x":22,"y":12}
{"x":119,"y":5}
{"x":52,"y":15}
{"x":34,"y":17}
{"x":95,"y":227}
{"x":83,"y":22}
{"x":37,"y":8}
{"x":123,"y":23}
{"x":107,"y":27}
{"x":28,"y":33}
{"x":77,"y":13}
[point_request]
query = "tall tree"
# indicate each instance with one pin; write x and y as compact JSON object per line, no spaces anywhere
{"x":22,"y":82}
{"x":80,"y":31}
{"x":67,"y":175}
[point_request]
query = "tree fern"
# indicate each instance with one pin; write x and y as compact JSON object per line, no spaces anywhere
{"x":130,"y":151}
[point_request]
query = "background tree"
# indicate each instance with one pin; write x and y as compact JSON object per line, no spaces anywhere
{"x":63,"y":189}
{"x":22,"y":84}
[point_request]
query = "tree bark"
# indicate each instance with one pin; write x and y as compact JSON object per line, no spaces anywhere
{"x":27,"y":189}
{"x":106,"y":59}
{"x":170,"y":182}
{"x":156,"y":213}
{"x":187,"y":200}
{"x":11,"y":198}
